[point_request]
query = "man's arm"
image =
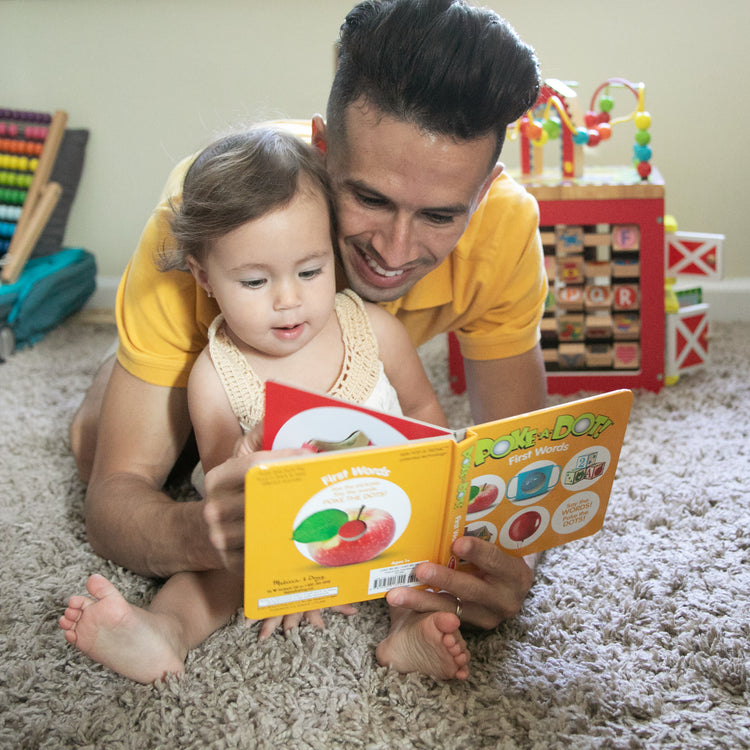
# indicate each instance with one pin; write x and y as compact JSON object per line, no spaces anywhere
{"x":497,"y":388}
{"x":129,"y":520}
{"x":500,"y":388}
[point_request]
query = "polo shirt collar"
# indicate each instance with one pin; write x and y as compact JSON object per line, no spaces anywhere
{"x":434,"y":290}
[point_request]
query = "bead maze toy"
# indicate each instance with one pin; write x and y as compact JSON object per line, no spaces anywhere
{"x":613,"y":318}
{"x":603,"y":237}
{"x":575,"y":131}
{"x":29,"y":142}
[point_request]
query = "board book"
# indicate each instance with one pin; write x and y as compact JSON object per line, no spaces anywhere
{"x":378,"y":494}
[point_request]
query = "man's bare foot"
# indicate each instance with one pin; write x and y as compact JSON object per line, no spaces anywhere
{"x":132,"y":641}
{"x":429,"y":643}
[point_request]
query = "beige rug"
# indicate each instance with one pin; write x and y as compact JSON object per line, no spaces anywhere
{"x":636,"y":637}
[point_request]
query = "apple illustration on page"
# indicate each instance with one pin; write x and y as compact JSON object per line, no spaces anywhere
{"x":335,"y":537}
{"x":482,"y":497}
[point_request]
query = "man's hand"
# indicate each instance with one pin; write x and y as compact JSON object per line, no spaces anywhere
{"x":495,"y":592}
{"x":224,"y":509}
{"x":224,"y":506}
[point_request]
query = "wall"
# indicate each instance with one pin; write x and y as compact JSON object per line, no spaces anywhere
{"x":153,"y":81}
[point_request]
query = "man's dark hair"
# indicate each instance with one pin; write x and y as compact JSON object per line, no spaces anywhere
{"x":445,"y":66}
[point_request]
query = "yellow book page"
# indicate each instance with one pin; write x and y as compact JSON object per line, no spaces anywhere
{"x":543,"y":479}
{"x":342,"y":527}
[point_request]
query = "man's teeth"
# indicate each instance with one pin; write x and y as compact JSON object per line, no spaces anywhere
{"x":379,"y":269}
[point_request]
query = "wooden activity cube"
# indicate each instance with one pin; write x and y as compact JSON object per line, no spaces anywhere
{"x":603,"y":238}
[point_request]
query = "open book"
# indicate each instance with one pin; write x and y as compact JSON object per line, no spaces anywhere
{"x":377,"y":494}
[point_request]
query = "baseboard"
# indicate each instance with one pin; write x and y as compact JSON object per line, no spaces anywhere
{"x":105,"y":294}
{"x":729,"y":299}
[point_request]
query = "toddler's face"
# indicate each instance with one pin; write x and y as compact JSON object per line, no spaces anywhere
{"x":274,"y":277}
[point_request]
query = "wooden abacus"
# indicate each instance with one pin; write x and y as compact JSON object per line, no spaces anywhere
{"x":29,"y":142}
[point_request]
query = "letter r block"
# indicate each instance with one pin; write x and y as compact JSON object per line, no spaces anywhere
{"x":625,"y":297}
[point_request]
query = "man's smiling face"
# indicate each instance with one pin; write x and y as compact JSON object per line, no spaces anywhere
{"x":403,"y":198}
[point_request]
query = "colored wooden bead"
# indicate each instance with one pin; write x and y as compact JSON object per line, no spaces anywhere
{"x":542,"y":139}
{"x":552,"y":128}
{"x":594,"y":137}
{"x":534,"y":131}
{"x":644,"y":169}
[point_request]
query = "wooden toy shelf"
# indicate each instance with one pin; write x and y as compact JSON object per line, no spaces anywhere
{"x":604,"y":325}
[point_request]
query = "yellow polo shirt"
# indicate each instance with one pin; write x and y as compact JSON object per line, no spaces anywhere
{"x":490,"y":291}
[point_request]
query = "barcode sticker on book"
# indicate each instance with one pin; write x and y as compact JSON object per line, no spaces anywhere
{"x":384,"y":579}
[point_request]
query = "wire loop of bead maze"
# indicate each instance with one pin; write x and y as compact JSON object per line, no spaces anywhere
{"x":29,"y":142}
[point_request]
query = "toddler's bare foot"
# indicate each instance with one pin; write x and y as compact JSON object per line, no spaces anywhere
{"x":132,"y":641}
{"x":429,"y":643}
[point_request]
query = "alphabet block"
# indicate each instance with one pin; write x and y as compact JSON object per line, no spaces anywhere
{"x":570,"y":297}
{"x":627,"y":355}
{"x":626,"y":326}
{"x":572,"y":356}
{"x":599,"y":355}
{"x":597,"y":297}
{"x":599,"y":326}
{"x":625,"y":297}
{"x":570,"y":327}
{"x":626,"y":268}
{"x":598,"y":269}
{"x":626,"y":237}
{"x":570,"y":269}
{"x":568,"y":240}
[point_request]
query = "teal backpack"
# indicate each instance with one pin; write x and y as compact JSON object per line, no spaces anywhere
{"x":49,"y":289}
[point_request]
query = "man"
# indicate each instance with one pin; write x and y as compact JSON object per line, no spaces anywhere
{"x":427,"y":225}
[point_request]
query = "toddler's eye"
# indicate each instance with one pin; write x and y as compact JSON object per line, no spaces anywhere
{"x":253,"y":283}
{"x":311,"y":274}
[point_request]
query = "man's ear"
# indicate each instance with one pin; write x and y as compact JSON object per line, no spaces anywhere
{"x":318,"y":139}
{"x":199,"y":274}
{"x":493,"y":175}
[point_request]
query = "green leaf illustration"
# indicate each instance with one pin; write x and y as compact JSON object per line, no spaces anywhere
{"x":473,"y":492}
{"x":320,"y":526}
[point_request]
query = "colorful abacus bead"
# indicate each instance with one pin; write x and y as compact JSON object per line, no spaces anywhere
{"x":10,"y":195}
{"x":21,"y":116}
{"x":9,"y":213}
{"x":8,"y":130}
